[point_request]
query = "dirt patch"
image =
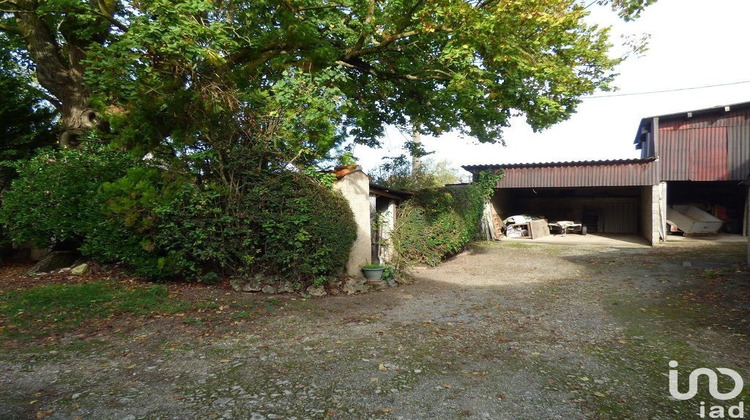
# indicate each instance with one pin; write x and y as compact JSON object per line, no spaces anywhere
{"x":504,"y":331}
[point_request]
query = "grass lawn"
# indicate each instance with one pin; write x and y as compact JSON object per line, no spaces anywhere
{"x":44,"y":309}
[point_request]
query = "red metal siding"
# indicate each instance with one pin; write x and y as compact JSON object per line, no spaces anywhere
{"x":696,"y":154}
{"x":708,"y":154}
{"x":585,"y":175}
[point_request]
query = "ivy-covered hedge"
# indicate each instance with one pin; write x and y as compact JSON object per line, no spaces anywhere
{"x":439,"y":222}
{"x":161,"y":225}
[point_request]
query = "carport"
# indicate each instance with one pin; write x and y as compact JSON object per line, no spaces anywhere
{"x":610,"y":196}
{"x":601,"y":210}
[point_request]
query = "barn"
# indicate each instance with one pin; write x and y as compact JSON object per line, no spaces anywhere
{"x":698,"y":158}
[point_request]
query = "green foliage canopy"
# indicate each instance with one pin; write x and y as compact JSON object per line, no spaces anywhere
{"x":296,"y":76}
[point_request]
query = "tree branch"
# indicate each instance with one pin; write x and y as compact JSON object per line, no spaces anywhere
{"x":363,"y":36}
{"x":364,"y":67}
{"x":12,"y":29}
{"x":47,"y":97}
{"x":113,"y":21}
{"x":328,"y":6}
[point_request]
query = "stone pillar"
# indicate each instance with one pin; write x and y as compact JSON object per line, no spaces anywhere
{"x":355,"y":187}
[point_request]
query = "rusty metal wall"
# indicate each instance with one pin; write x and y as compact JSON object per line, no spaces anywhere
{"x":699,"y":154}
{"x":583,"y":175}
{"x":713,"y":147}
{"x":674,"y":155}
{"x":708,"y":154}
{"x":738,"y":149}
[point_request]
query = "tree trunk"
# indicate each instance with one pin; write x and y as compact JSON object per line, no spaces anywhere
{"x":416,"y":157}
{"x":61,"y":75}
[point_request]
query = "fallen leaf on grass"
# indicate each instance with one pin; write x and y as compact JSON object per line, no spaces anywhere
{"x":43,"y":414}
{"x":381,"y":367}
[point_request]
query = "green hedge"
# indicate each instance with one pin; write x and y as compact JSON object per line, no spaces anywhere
{"x":306,"y":229}
{"x":161,"y":225}
{"x":285,"y":224}
{"x":53,"y":201}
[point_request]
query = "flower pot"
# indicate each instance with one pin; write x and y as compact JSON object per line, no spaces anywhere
{"x":373,"y":274}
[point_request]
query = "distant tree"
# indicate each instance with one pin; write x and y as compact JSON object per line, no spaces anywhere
{"x":397,"y":173}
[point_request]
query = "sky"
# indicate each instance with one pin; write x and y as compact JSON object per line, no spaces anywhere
{"x":693,"y":43}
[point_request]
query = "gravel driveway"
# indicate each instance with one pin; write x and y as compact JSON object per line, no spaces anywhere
{"x":510,"y":330}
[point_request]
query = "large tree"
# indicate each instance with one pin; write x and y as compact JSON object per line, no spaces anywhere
{"x":301,"y":74}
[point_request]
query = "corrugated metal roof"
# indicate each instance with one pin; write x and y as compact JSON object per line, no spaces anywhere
{"x":385,"y":191}
{"x":715,"y":111}
{"x":606,"y":173}
{"x":485,"y":167}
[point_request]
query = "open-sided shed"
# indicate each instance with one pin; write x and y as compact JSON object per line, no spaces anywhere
{"x":699,"y":158}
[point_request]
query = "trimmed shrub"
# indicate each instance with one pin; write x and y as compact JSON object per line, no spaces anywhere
{"x":53,"y":201}
{"x":130,"y":206}
{"x":307,"y":230}
{"x":285,"y":224}
{"x":160,"y":225}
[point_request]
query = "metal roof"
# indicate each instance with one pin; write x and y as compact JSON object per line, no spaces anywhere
{"x":602,"y":173}
{"x":485,"y":167}
{"x":389,"y":192}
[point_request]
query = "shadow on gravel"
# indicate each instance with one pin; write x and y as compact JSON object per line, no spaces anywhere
{"x":504,"y":331}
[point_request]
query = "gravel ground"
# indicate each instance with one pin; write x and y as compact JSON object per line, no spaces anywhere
{"x":511,"y":330}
